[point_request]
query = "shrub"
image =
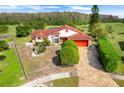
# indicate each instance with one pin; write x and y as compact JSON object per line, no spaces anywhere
{"x":108,"y":55}
{"x":69,"y":55}
{"x":2,"y":57}
{"x":46,"y":42}
{"x":3,"y":45}
{"x":40,"y":49}
{"x":70,"y":43}
{"x":23,"y":31}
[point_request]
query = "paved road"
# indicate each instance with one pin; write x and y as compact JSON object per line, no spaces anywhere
{"x":4,"y":36}
{"x":90,"y":74}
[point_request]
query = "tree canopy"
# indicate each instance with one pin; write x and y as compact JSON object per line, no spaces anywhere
{"x":52,"y":18}
{"x":94,"y":17}
{"x":22,"y":31}
{"x":3,"y":45}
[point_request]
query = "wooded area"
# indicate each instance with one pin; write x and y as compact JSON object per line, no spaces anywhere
{"x":52,"y":18}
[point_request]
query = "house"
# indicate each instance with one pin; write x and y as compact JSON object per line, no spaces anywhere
{"x":60,"y":34}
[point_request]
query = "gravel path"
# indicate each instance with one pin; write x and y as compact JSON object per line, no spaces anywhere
{"x":90,"y":74}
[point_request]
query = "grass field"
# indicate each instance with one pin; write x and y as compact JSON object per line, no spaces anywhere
{"x":120,"y":82}
{"x":66,"y":82}
{"x":118,"y":28}
{"x":11,"y":71}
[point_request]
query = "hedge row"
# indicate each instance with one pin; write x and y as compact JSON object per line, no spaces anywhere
{"x":69,"y":54}
{"x":108,"y":55}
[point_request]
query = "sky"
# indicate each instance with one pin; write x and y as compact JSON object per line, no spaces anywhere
{"x":117,"y":10}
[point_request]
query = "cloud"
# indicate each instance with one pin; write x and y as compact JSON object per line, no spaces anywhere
{"x":80,"y":8}
{"x":41,"y":7}
{"x":8,"y":7}
{"x":26,"y":8}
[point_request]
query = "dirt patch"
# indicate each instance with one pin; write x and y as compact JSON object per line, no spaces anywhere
{"x":42,"y":65}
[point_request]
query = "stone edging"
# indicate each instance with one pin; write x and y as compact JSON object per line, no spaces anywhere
{"x":116,"y":76}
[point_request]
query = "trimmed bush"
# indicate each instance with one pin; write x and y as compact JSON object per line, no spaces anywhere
{"x":3,"y":45}
{"x":40,"y":49}
{"x":2,"y":57}
{"x":108,"y":55}
{"x":69,"y":55}
{"x":70,"y":43}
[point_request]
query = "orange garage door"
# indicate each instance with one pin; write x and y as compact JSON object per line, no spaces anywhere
{"x":81,"y":42}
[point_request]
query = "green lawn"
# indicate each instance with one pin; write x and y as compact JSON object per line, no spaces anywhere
{"x":83,"y":28}
{"x":51,"y":26}
{"x":11,"y":72}
{"x":119,"y":82}
{"x":118,"y":28}
{"x":66,"y":82}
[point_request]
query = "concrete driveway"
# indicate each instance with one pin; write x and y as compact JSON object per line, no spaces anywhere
{"x":90,"y":71}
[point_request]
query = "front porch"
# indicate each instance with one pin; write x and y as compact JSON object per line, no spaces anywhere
{"x":57,"y":40}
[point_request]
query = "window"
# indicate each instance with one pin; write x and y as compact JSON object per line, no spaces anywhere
{"x":56,"y":40}
{"x":39,"y":37}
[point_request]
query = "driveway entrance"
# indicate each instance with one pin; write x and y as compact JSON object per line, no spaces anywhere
{"x":90,"y":71}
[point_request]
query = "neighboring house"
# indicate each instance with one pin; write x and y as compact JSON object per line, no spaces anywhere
{"x":58,"y":35}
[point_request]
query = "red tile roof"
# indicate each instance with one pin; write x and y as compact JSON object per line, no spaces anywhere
{"x":46,"y":33}
{"x":79,"y":36}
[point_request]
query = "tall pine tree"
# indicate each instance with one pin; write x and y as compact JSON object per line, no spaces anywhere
{"x":94,"y":18}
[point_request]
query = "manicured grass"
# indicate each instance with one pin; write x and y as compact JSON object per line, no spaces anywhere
{"x":83,"y":28}
{"x":51,"y":26}
{"x":119,"y":82}
{"x":66,"y":82}
{"x":118,"y":28}
{"x":3,"y":32}
{"x":11,"y":72}
{"x":8,"y":39}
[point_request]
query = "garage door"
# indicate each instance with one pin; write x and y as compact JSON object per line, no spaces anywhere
{"x":82,"y":42}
